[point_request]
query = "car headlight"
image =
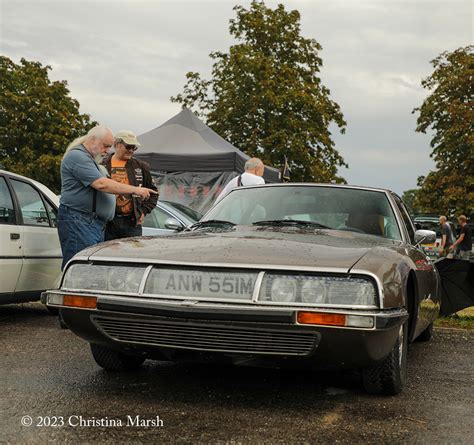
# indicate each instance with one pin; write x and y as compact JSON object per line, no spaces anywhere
{"x":313,"y":291}
{"x":283,"y":289}
{"x":318,"y":290}
{"x":103,"y":278}
{"x":356,"y":291}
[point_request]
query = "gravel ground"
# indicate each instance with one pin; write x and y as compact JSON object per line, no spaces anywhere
{"x":47,"y":372}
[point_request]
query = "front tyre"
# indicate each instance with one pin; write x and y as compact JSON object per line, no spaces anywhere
{"x":388,"y":376}
{"x":112,"y":360}
{"x":426,"y":335}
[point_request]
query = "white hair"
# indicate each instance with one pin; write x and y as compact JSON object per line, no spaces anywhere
{"x":253,"y":163}
{"x":99,"y":131}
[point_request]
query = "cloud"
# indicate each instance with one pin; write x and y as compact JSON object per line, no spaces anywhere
{"x":124,"y":59}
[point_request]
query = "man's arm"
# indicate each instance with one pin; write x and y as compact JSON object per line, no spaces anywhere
{"x":443,"y":241}
{"x":458,"y":241}
{"x":117,"y":188}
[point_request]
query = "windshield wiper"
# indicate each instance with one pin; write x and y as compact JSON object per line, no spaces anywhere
{"x":211,"y":222}
{"x":290,"y":222}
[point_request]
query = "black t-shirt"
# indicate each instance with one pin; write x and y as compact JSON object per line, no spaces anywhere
{"x":466,"y":243}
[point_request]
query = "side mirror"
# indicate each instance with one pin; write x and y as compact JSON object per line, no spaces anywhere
{"x":424,"y":237}
{"x":173,"y":224}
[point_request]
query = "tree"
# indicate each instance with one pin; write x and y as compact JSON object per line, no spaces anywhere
{"x":448,"y":111}
{"x":409,"y":198}
{"x":38,"y":119}
{"x":266,"y":98}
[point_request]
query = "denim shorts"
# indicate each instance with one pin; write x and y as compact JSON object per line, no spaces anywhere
{"x":77,"y":231}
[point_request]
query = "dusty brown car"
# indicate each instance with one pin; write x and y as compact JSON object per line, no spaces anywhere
{"x":302,"y":274}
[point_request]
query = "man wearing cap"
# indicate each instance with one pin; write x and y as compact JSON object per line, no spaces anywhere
{"x":130,"y":210}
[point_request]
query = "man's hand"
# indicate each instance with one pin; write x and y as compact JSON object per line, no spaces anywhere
{"x":143,"y":192}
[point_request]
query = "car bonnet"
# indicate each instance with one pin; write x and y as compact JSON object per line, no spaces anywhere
{"x":262,"y":246}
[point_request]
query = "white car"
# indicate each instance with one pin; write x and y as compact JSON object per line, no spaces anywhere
{"x":30,"y":253}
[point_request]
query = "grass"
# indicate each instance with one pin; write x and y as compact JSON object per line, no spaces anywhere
{"x":462,"y":320}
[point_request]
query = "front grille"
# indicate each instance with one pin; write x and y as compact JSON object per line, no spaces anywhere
{"x":208,"y":336}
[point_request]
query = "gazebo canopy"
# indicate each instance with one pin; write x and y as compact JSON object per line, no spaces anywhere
{"x":185,"y":144}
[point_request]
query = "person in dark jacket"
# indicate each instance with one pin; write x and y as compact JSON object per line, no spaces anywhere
{"x":130,"y":210}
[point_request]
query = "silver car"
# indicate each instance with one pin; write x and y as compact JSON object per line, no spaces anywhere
{"x":30,"y":253}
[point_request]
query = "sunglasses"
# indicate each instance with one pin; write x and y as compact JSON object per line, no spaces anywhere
{"x":130,"y":147}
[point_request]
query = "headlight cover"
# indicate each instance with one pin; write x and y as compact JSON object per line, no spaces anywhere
{"x":94,"y":277}
{"x":318,"y":290}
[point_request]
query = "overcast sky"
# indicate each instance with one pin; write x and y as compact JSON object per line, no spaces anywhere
{"x":124,"y":59}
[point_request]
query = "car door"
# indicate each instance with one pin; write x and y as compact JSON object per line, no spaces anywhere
{"x":428,"y":296}
{"x":11,"y":243}
{"x":41,"y":247}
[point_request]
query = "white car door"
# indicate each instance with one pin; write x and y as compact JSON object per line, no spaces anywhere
{"x":11,"y":240}
{"x":41,"y":248}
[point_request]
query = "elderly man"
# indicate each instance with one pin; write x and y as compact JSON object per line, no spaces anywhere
{"x":123,"y":167}
{"x":87,"y":195}
{"x":254,"y":169}
{"x":446,"y":236}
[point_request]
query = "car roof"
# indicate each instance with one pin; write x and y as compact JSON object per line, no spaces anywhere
{"x":316,"y":184}
{"x":45,"y":190}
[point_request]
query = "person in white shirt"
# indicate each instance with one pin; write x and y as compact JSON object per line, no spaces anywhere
{"x":254,"y":169}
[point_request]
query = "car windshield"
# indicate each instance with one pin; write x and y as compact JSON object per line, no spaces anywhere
{"x":356,"y":210}
{"x":190,"y":213}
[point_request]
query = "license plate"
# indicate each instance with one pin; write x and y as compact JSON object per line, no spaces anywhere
{"x":201,"y":284}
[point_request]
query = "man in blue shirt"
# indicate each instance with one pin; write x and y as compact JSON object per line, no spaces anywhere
{"x":87,"y":196}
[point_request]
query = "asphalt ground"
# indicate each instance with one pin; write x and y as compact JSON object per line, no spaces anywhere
{"x":48,"y":377}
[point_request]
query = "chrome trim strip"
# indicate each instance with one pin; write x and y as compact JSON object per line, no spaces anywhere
{"x":401,"y":224}
{"x":256,"y":303}
{"x":219,"y":305}
{"x":378,"y":283}
{"x":344,"y":270}
{"x":258,"y":285}
{"x":299,"y":305}
{"x":144,"y":278}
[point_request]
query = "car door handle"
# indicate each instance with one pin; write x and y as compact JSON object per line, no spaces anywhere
{"x":14,"y":236}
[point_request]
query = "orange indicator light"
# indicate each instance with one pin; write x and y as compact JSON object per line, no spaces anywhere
{"x":78,"y":301}
{"x":321,"y":318}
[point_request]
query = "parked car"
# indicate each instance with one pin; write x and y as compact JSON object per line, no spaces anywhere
{"x":312,"y":275}
{"x":432,"y":223}
{"x":168,"y":217}
{"x":30,"y":253}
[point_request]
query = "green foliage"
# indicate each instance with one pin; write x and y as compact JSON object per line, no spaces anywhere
{"x":266,"y":97}
{"x":38,"y":119}
{"x":448,"y":111}
{"x":409,"y":198}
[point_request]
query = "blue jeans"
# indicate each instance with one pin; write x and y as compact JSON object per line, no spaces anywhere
{"x":77,"y":230}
